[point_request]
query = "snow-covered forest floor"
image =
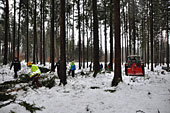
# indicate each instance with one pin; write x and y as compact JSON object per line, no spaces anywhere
{"x":85,"y":94}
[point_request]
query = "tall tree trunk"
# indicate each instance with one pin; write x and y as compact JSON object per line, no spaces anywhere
{"x":67,"y":32}
{"x":44,"y":57}
{"x":27,"y":52}
{"x":62,"y":41}
{"x":145,"y":32}
{"x":87,"y":37}
{"x":78,"y":5}
{"x":35,"y":31}
{"x":100,"y":47}
{"x":121,"y":38}
{"x":52,"y":36}
{"x":10,"y":44}
{"x":130,"y":29}
{"x":14,"y":29}
{"x":151,"y":32}
{"x":87,"y":48}
{"x":163,"y":53}
{"x":167,"y":45}
{"x":111,"y":38}
{"x":161,"y":49}
{"x":96,"y":40}
{"x":144,"y":36}
{"x":0,"y":48}
{"x":57,"y":41}
{"x":91,"y":39}
{"x":137,"y":41}
{"x":148,"y":47}
{"x":105,"y":34}
{"x":143,"y":43}
{"x":41,"y":19}
{"x":117,"y":69}
{"x":83,"y":53}
{"x":126,"y":29}
{"x":134,"y":29}
{"x":19,"y":20}
{"x":124,"y":32}
{"x":73,"y":35}
{"x":5,"y":60}
{"x":148,"y":35}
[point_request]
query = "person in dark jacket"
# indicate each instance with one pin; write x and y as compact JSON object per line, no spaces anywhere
{"x":90,"y":66}
{"x":58,"y":65}
{"x":17,"y":66}
{"x":101,"y":66}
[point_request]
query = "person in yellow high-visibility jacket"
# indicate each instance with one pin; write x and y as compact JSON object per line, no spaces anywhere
{"x":35,"y":73}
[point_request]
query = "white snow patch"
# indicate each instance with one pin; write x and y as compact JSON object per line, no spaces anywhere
{"x":85,"y":94}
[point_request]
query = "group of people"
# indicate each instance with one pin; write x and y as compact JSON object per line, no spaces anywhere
{"x":34,"y":69}
{"x":72,"y":68}
{"x":36,"y":72}
{"x":101,"y":66}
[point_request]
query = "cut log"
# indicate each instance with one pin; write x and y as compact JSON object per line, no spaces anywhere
{"x":44,"y":70}
{"x":166,"y":68}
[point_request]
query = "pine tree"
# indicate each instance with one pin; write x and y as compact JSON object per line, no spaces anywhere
{"x":6,"y":33}
{"x":96,"y":40}
{"x":27,"y":40}
{"x":73,"y":33}
{"x":19,"y":20}
{"x":130,"y":28}
{"x":79,"y":25}
{"x":41,"y":22}
{"x":35,"y":32}
{"x":44,"y":47}
{"x":117,"y":68}
{"x":14,"y":29}
{"x":167,"y":46}
{"x":151,"y":32}
{"x":62,"y":41}
{"x":148,"y":35}
{"x":105,"y":34}
{"x":134,"y":28}
{"x":111,"y":37}
{"x":52,"y":36}
{"x":83,"y":53}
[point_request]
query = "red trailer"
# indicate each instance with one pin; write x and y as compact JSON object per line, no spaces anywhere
{"x":134,"y":66}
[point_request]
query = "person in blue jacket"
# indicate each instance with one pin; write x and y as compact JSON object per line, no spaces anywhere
{"x":72,"y":68}
{"x":101,"y":66}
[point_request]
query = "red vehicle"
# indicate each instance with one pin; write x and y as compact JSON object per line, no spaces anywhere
{"x":134,"y":66}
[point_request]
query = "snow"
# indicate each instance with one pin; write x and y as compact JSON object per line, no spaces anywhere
{"x":85,"y":94}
